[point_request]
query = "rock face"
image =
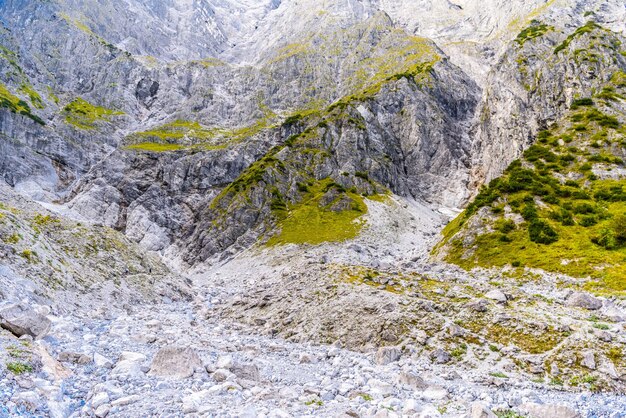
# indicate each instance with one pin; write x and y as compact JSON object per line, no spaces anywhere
{"x":175,"y":362}
{"x":23,"y":320}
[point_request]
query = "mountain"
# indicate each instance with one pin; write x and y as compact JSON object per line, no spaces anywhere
{"x":296,"y":208}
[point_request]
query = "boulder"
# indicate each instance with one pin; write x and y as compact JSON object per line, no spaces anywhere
{"x":479,"y":410}
{"x":22,"y":320}
{"x":496,"y":295}
{"x":584,"y":300}
{"x":175,"y":363}
{"x":588,"y":360}
{"x":129,"y":364}
{"x":412,"y":380}
{"x":76,"y":358}
{"x":246,"y":371}
{"x":479,"y":305}
{"x":440,"y":356}
{"x":535,"y":410}
{"x":386,"y":355}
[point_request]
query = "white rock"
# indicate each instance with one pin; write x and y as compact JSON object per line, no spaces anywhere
{"x":224,"y":362}
{"x":102,"y":411}
{"x":381,"y":388}
{"x":496,"y":295}
{"x":193,"y":402}
{"x":99,"y":399}
{"x":480,"y":410}
{"x":535,"y":410}
{"x":129,"y":364}
{"x":126,"y":400}
{"x":101,"y":361}
{"x":175,"y":363}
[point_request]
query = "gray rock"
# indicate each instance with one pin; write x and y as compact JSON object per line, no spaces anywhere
{"x":77,"y":358}
{"x":588,"y":360}
{"x":412,"y":380}
{"x":496,"y":295}
{"x":175,"y":362}
{"x":440,"y":356}
{"x":535,"y":410}
{"x":22,"y":320}
{"x":584,"y":300}
{"x":386,"y":355}
{"x":246,"y":371}
{"x":479,"y":305}
{"x":480,"y":410}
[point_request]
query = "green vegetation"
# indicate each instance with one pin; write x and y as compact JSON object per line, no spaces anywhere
{"x":507,"y":414}
{"x":535,"y":30}
{"x":459,"y":352}
{"x":9,"y":101}
{"x":587,"y":28}
{"x":84,"y":115}
{"x":34,"y":97}
{"x":499,"y":375}
{"x":18,"y":368}
{"x":326,"y":213}
{"x":182,"y":134}
{"x":529,"y":340}
{"x":574,"y":222}
{"x":154,"y":147}
{"x":29,"y":255}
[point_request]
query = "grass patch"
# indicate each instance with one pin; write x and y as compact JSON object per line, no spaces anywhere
{"x":154,"y":147}
{"x":535,"y":30}
{"x":83,"y":115}
{"x":18,"y":368}
{"x":589,"y":27}
{"x":317,"y":219}
{"x":16,"y":105}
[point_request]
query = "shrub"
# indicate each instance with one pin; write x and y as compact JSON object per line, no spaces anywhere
{"x":541,"y":232}
{"x":505,"y":238}
{"x":588,"y":221}
{"x":587,"y":101}
{"x":529,"y":213}
{"x":584,"y":208}
{"x":606,"y":238}
{"x":505,"y":225}
{"x":566,"y":217}
{"x":362,"y":175}
{"x":619,"y":227}
{"x":544,"y":137}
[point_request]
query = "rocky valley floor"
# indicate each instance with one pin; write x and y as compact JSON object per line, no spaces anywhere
{"x":367,"y":328}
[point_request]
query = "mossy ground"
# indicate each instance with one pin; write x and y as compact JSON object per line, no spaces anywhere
{"x":313,"y":222}
{"x":84,"y":115}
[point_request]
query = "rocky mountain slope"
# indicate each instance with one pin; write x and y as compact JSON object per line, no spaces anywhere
{"x":219,"y":208}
